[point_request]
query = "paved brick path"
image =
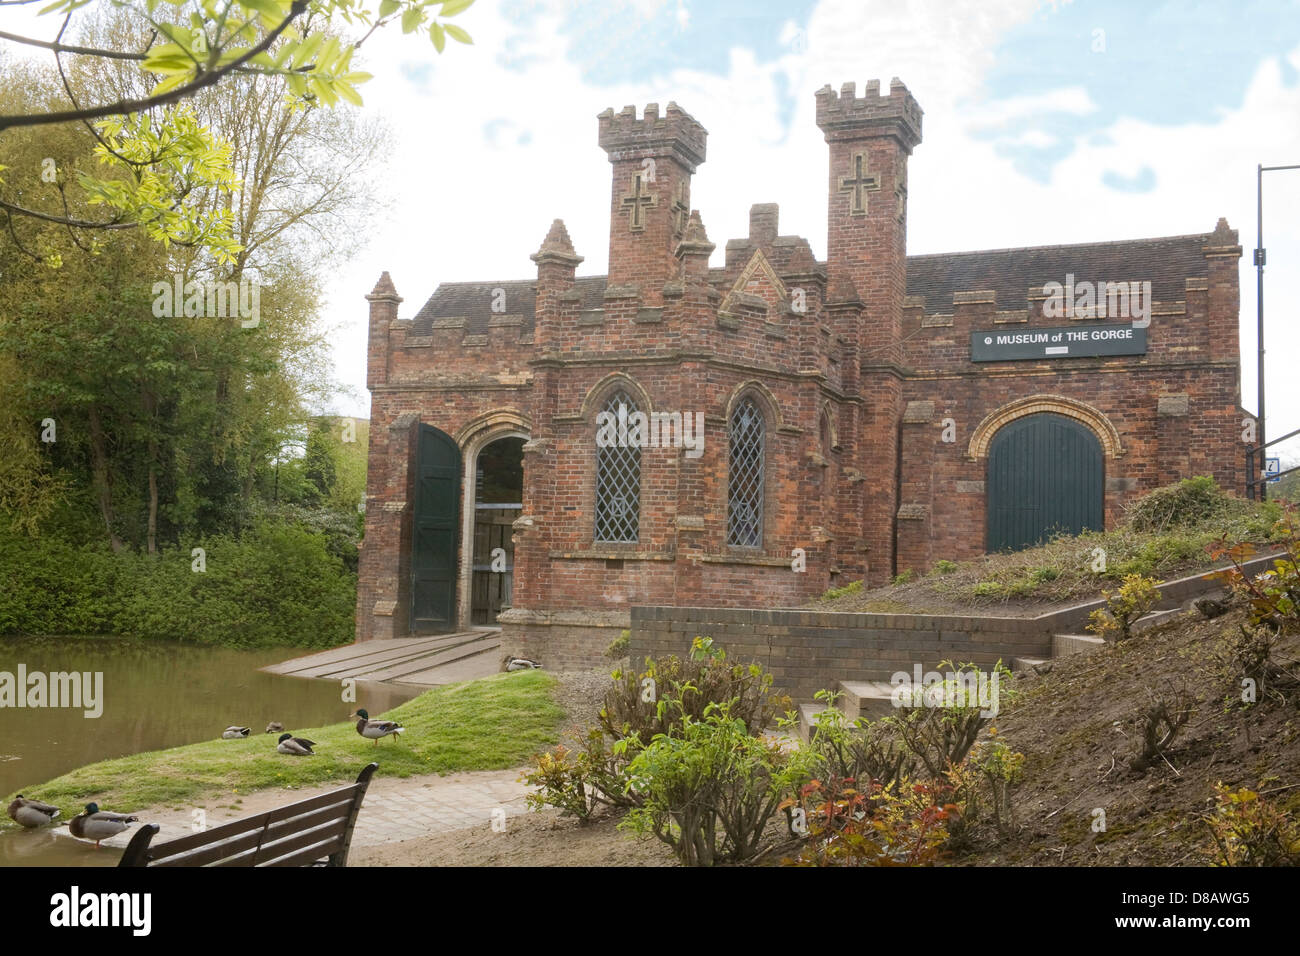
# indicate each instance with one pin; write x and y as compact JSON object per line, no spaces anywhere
{"x":394,"y":808}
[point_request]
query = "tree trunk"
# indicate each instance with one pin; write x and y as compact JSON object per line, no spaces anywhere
{"x":103,"y":478}
{"x":153,"y":498}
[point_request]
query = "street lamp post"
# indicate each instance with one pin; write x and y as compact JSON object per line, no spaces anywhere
{"x":1259,"y":303}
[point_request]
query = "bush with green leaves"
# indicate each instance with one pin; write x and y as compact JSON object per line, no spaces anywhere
{"x":1136,"y":596}
{"x":1248,"y":830}
{"x":709,"y":787}
{"x":642,"y":705}
{"x":276,"y":585}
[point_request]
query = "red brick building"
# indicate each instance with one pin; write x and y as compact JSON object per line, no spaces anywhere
{"x":861,"y":415}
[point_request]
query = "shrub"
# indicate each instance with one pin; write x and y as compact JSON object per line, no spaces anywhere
{"x":1135,"y":597}
{"x":986,"y":589}
{"x":618,"y":646}
{"x":1187,"y":503}
{"x":709,"y":788}
{"x":903,"y":577}
{"x":277,"y":584}
{"x":863,"y":750}
{"x":638,"y":705}
{"x":562,"y":777}
{"x":642,"y":706}
{"x":1248,"y":830}
{"x":1274,"y":596}
{"x":853,"y":587}
{"x":903,"y":824}
{"x":944,"y":566}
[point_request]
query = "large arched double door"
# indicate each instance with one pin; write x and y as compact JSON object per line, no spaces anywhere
{"x":1045,"y":476}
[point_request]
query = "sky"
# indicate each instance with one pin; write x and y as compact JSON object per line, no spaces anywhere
{"x":1045,"y":123}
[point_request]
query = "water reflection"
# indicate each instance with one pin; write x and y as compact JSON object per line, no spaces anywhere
{"x":156,"y":695}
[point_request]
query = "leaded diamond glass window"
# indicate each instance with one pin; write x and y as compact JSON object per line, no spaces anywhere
{"x":745,"y":482}
{"x":618,"y":479}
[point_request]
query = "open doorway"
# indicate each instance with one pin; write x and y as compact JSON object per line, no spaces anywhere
{"x":498,"y":501}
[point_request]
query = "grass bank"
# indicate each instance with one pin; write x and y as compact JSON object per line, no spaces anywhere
{"x":489,"y":724}
{"x":1167,"y":534}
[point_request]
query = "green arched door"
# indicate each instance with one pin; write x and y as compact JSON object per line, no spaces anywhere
{"x":433,"y":532}
{"x":1045,"y":475}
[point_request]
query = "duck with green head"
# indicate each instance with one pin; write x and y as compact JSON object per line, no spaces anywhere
{"x":374,"y":729}
{"x":96,"y":824}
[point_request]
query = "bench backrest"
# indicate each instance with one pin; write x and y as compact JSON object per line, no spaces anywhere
{"x":294,"y":835}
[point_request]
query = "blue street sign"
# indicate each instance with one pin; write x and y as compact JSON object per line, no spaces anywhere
{"x":1271,"y":467}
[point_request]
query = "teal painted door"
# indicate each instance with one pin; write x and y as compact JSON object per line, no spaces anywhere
{"x":433,"y":534}
{"x":1045,"y":476}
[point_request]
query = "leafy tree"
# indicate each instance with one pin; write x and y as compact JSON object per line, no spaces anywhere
{"x":159,"y":161}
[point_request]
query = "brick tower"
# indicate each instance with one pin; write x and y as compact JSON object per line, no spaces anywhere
{"x":653,"y":159}
{"x":870,"y":139}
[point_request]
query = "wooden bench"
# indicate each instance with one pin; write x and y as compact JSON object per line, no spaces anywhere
{"x":311,"y":832}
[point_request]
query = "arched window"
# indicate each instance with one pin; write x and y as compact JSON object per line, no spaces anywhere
{"x":618,"y":471}
{"x":745,"y":461}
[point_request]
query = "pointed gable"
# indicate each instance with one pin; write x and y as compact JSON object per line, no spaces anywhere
{"x":758,"y":292}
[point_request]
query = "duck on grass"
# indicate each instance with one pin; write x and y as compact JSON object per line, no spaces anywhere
{"x":494,"y":723}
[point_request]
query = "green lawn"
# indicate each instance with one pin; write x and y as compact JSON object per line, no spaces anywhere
{"x":489,"y":724}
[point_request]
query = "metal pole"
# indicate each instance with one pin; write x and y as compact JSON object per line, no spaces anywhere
{"x":1259,"y":304}
{"x":1260,"y":256}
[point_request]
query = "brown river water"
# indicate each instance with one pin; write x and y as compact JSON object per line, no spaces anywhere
{"x":155,"y":695}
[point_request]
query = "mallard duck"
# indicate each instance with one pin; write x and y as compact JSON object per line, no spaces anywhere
{"x":96,"y":824}
{"x":297,"y":746}
{"x":274,"y":727}
{"x":512,"y":663}
{"x":234,"y":733}
{"x":374,"y":729}
{"x":31,"y":813}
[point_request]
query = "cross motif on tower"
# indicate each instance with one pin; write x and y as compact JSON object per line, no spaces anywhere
{"x":636,"y":201}
{"x":858,"y":183}
{"x":681,"y":211}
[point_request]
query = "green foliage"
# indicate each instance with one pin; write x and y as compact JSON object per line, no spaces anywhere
{"x":987,"y":589}
{"x":709,"y":787}
{"x":618,"y":646}
{"x":1273,"y":597}
{"x":157,"y":161}
{"x":1134,"y":598}
{"x":276,"y":585}
{"x":944,"y":566}
{"x":646,"y":704}
{"x":903,"y":577}
{"x":853,"y":587}
{"x":1248,"y":830}
{"x":640,"y":706}
{"x":1186,"y":504}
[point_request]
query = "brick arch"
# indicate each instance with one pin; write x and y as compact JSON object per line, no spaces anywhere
{"x":495,"y":420}
{"x":828,"y":413}
{"x":595,"y":397}
{"x":766,"y":400}
{"x":1093,"y":418}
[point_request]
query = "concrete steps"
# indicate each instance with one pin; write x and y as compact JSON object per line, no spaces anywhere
{"x":437,"y":659}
